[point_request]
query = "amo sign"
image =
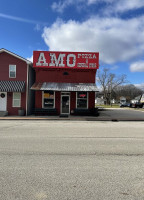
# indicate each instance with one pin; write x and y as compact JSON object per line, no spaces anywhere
{"x":73,"y":60}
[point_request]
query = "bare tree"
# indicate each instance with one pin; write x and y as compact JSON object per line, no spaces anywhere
{"x":129,"y":91}
{"x":109,"y":82}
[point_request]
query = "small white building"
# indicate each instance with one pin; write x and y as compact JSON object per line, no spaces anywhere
{"x":113,"y":101}
{"x":136,"y":99}
{"x":142,"y":99}
{"x":99,"y":101}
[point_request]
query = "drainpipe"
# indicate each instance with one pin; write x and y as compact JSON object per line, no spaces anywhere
{"x":27,"y":95}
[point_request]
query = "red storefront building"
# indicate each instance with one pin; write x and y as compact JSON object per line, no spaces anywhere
{"x":16,"y":78}
{"x":65,"y":82}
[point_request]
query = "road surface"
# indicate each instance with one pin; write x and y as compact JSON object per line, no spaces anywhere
{"x":70,"y":160}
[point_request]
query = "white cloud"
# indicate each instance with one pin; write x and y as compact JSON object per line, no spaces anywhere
{"x":60,"y":6}
{"x":115,"y":39}
{"x":124,"y":5}
{"x":89,"y":2}
{"x":113,"y":6}
{"x":20,"y":19}
{"x":137,"y":66}
{"x":140,"y":85}
{"x":30,"y":58}
{"x":37,"y":27}
{"x":17,"y":18}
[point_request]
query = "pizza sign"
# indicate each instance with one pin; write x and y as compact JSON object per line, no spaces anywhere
{"x":73,"y":60}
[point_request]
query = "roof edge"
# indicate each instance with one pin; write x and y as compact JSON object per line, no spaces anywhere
{"x":15,"y":55}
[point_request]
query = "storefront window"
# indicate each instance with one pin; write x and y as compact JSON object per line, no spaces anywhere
{"x":82,"y":100}
{"x":48,"y":99}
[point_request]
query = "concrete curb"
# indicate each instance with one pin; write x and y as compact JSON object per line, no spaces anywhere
{"x":85,"y":118}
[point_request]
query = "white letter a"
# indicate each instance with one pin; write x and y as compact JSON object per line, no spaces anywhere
{"x":41,"y":60}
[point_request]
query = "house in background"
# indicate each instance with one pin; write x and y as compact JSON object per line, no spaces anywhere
{"x":16,"y":78}
{"x":136,"y":99}
{"x":99,"y":98}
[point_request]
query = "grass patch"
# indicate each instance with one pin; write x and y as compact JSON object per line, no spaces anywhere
{"x":108,"y":106}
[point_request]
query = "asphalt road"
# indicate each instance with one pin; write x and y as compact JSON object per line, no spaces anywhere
{"x":70,"y":160}
{"x":122,"y":114}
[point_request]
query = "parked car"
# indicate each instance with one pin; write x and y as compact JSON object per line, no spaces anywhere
{"x":137,"y":105}
{"x":125,"y":105}
{"x":138,"y":102}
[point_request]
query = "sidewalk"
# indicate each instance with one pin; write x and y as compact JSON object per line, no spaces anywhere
{"x":33,"y":117}
{"x":110,"y":114}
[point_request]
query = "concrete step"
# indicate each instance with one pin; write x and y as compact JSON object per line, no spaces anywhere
{"x":3,"y":113}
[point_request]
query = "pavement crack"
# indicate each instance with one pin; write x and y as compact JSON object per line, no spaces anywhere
{"x":67,"y":154}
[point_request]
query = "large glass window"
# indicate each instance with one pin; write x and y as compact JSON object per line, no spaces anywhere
{"x":82,"y":100}
{"x":48,"y":99}
{"x":12,"y":71}
{"x":16,"y":99}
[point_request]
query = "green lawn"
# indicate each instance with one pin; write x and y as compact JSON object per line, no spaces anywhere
{"x":108,"y":106}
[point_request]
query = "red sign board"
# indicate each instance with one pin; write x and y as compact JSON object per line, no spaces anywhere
{"x":73,"y":60}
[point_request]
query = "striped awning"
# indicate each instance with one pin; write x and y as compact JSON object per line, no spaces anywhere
{"x":12,"y":86}
{"x":65,"y":87}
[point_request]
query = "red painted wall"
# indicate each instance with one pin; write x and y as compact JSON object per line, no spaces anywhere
{"x":21,"y":67}
{"x":73,"y":101}
{"x":75,"y":76}
{"x":14,"y":110}
{"x":57,"y":75}
{"x":91,"y":100}
{"x":38,"y":99}
{"x":21,"y":75}
{"x":57,"y":101}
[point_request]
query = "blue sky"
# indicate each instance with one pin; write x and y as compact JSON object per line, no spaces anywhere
{"x":113,"y":28}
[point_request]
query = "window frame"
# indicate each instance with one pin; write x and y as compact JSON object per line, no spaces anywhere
{"x":17,"y":99}
{"x":12,"y":71}
{"x":80,"y":98}
{"x":48,"y":98}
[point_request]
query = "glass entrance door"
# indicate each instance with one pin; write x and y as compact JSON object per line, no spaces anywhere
{"x":65,"y":104}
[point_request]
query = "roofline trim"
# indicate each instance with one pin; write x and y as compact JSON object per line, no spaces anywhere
{"x":15,"y":55}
